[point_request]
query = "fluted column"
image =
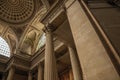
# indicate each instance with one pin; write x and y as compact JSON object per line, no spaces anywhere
{"x":50,"y":72}
{"x":11,"y":73}
{"x":29,"y":75}
{"x":75,"y":64}
{"x":40,"y":72}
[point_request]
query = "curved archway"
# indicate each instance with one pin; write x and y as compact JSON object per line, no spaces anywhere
{"x":4,"y":48}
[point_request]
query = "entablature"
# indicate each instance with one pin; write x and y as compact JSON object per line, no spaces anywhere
{"x":29,"y":62}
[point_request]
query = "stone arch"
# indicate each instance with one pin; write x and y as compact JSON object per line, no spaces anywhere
{"x":12,"y":41}
{"x":29,"y":41}
{"x":9,"y":36}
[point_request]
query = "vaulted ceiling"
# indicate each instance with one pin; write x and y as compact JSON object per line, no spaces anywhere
{"x":19,"y":21}
{"x":17,"y":14}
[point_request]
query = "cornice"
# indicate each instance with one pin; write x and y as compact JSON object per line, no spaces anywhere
{"x":57,"y":6}
{"x":28,"y":62}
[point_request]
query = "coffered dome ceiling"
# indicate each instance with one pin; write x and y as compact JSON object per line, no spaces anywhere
{"x":16,"y":11}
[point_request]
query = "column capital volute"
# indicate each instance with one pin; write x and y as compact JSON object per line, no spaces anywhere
{"x":30,"y":71}
{"x":48,"y":28}
{"x":39,"y":64}
{"x":64,"y":8}
{"x":13,"y":67}
{"x":69,"y":45}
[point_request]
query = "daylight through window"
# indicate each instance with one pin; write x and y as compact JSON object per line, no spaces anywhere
{"x":41,"y":41}
{"x":4,"y":48}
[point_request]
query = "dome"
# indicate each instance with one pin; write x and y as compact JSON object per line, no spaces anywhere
{"x":16,"y":11}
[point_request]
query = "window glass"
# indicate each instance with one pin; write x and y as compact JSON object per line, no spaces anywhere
{"x":41,"y":41}
{"x":4,"y":48}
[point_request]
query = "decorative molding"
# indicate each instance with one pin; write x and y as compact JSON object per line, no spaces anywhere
{"x":58,"y":6}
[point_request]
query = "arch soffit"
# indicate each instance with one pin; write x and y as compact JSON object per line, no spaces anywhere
{"x":9,"y":36}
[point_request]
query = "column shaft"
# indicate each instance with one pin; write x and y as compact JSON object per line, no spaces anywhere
{"x":75,"y":64}
{"x":29,"y":76}
{"x":50,"y":61}
{"x":40,"y":72}
{"x":11,"y":73}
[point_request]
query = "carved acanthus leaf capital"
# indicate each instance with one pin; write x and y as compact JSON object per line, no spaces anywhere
{"x":47,"y":28}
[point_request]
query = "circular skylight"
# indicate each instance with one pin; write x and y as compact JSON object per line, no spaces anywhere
{"x":4,"y":48}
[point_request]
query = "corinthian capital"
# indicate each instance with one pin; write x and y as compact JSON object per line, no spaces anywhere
{"x":48,"y":28}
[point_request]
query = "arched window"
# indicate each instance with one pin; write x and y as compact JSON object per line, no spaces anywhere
{"x":42,"y":41}
{"x":4,"y":48}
